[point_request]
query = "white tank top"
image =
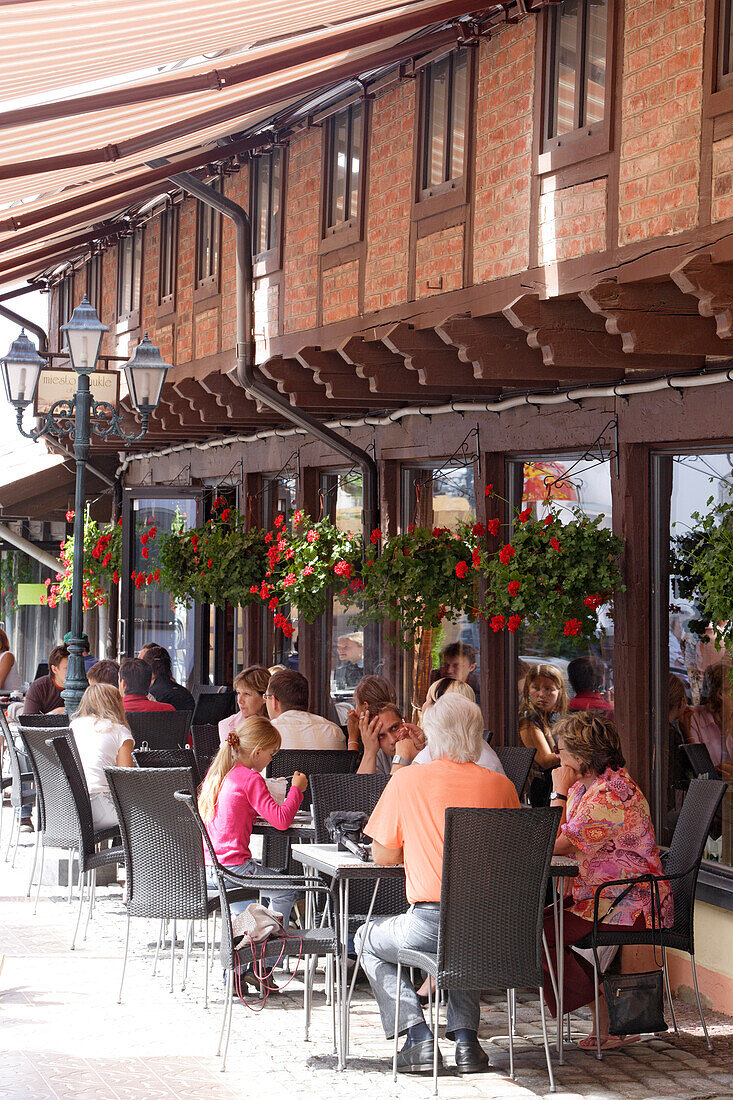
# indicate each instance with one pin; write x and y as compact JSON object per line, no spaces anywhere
{"x":12,"y":681}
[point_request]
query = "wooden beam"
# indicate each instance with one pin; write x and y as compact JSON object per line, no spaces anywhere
{"x":434,"y":362}
{"x":712,"y":285}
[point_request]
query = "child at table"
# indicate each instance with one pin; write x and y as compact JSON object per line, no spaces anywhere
{"x":234,"y":794}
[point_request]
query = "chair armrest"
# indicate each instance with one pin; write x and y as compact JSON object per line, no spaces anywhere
{"x":275,"y":882}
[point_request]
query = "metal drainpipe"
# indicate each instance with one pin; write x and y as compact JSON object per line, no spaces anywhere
{"x":247,"y":373}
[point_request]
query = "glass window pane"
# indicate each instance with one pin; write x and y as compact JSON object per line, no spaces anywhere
{"x":437,"y":79}
{"x":355,"y":160}
{"x":274,"y":231}
{"x":339,"y":163}
{"x":458,"y":115}
{"x":595,"y":62}
{"x":262,"y":201}
{"x":137,"y":269}
{"x":565,"y":38}
{"x":346,"y":666}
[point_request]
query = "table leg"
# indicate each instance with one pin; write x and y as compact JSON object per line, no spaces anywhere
{"x":560,"y":953}
{"x":357,"y":963}
{"x":344,"y":964}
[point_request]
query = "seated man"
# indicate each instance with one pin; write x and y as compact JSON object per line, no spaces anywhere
{"x":408,"y":825}
{"x":458,"y":662}
{"x":89,"y":658}
{"x":287,"y":707}
{"x":44,"y":694}
{"x":586,"y":679}
{"x":135,"y":677}
{"x":163,"y":687}
{"x":104,"y":672}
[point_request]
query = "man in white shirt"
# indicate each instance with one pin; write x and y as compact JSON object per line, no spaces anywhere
{"x":287,"y":707}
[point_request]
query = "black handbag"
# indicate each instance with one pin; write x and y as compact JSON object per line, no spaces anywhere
{"x":635,"y":1002}
{"x":346,"y":829}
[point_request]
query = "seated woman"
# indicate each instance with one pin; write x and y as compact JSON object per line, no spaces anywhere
{"x":234,"y":794}
{"x":9,"y":676}
{"x":704,"y":724}
{"x":250,"y":686}
{"x":545,"y":700}
{"x":437,"y":690}
{"x":606,"y":825}
{"x":104,"y":740}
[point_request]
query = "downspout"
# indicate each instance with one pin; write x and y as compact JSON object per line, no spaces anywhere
{"x":247,"y":374}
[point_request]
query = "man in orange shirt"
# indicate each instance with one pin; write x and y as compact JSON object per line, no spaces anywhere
{"x":408,"y":825}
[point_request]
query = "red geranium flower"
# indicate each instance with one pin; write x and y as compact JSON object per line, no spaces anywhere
{"x":342,"y":569}
{"x":592,"y":602}
{"x":226,"y":514}
{"x":156,"y":575}
{"x":69,"y":515}
{"x":145,"y":553}
{"x":488,"y":490}
{"x":96,"y":552}
{"x":209,"y":563}
{"x":497,"y":623}
{"x":555,"y":545}
{"x":106,"y":560}
{"x":279,"y":520}
{"x":268,"y":536}
{"x":513,"y":587}
{"x":297,"y":518}
{"x":289,"y":581}
{"x":524,"y":516}
{"x":376,"y":535}
{"x":308,"y":571}
{"x":264,"y":592}
{"x":144,"y":539}
{"x":273,"y":603}
{"x":254,"y":589}
{"x":462,"y":569}
{"x":493,"y":526}
{"x":514,"y":623}
{"x":506,"y":553}
{"x":288,"y":630}
{"x":476,"y":558}
{"x":311,"y":536}
{"x":478,"y":530}
{"x":116,"y":577}
{"x":573,"y":626}
{"x":548,"y":520}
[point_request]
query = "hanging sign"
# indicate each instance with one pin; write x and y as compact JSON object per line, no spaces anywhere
{"x":61,"y":385}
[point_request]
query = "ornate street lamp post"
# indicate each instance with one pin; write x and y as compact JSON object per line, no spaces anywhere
{"x":78,"y":418}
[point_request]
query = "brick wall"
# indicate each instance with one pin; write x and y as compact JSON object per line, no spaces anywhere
{"x":302,"y":231}
{"x":722,"y":198}
{"x":572,"y":222}
{"x":236,"y":187}
{"x":185,"y":280}
{"x":439,"y":262}
{"x":390,"y":196}
{"x":503,"y":152}
{"x":661,"y":114}
{"x":340,"y":290}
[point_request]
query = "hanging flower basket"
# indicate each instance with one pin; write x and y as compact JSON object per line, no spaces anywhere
{"x":701,"y":569}
{"x":102,"y":560}
{"x":306,"y":565}
{"x":551,"y":575}
{"x":216,"y":564}
{"x":420,"y":578}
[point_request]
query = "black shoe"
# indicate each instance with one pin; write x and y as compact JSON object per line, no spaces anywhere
{"x":471,"y":1058}
{"x":26,"y":825}
{"x":418,"y":1058}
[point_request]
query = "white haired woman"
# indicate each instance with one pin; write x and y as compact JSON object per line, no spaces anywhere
{"x":408,"y":825}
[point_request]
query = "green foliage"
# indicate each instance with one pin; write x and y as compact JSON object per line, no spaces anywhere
{"x":102,"y":561}
{"x":15,"y":568}
{"x":702,"y":570}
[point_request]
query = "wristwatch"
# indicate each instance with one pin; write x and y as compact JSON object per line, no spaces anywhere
{"x":562,"y":797}
{"x":397,"y":759}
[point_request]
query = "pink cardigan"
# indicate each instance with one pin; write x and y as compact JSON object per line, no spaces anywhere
{"x":242,"y":798}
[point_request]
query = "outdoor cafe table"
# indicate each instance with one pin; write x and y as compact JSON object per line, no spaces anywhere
{"x":302,"y":828}
{"x":342,"y":867}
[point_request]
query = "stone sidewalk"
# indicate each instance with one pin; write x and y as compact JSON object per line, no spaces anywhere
{"x":62,"y":1033}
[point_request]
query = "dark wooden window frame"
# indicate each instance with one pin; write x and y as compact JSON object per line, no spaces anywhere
{"x":65,"y":305}
{"x":350,"y":231}
{"x":128,"y":313}
{"x":207,"y":286}
{"x":168,"y":255}
{"x":268,"y":260}
{"x":586,"y":142}
{"x":438,"y":199}
{"x":718,"y":86}
{"x":95,"y":281}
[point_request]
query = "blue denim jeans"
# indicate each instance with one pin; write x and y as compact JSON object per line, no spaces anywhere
{"x":282,"y":901}
{"x":418,"y":929}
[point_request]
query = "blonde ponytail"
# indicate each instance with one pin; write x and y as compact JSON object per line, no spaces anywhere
{"x":250,"y":734}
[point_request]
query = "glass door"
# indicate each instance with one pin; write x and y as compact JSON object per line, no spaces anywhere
{"x":147,"y":612}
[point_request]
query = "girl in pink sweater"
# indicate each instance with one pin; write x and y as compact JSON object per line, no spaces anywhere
{"x":234,"y":794}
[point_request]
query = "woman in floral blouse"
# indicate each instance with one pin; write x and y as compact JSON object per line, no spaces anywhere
{"x":606,"y":826}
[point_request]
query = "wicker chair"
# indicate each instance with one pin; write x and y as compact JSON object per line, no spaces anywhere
{"x":488,"y":736}
{"x":516,"y":760}
{"x":681,"y":863}
{"x":309,"y":942}
{"x":44,"y":721}
{"x":212,"y":706}
{"x":159,"y":729}
{"x":700,"y":761}
{"x":509,"y":851}
{"x":166,"y":876}
{"x":22,"y":788}
{"x":169,"y":758}
{"x":90,"y":859}
{"x":56,"y":809}
{"x":205,"y":745}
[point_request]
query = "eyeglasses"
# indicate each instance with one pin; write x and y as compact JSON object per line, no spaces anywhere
{"x":268,"y":696}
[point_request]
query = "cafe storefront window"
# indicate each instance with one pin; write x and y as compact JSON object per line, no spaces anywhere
{"x":342,"y":646}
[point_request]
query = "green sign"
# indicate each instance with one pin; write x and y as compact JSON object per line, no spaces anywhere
{"x":31,"y":593}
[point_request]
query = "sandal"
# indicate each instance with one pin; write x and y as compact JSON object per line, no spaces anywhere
{"x":611,"y":1042}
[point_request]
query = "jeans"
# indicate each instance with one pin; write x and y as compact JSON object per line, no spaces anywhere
{"x":417,"y":929}
{"x":282,"y":901}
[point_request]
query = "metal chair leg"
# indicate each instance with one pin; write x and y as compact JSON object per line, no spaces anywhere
{"x":206,"y":964}
{"x":597,"y":998}
{"x":229,"y":979}
{"x":78,"y":912}
{"x":173,"y":951}
{"x":38,"y":884}
{"x":70,"y":875}
{"x":436,"y":1024}
{"x":668,"y":990}
{"x":229,"y":1024}
{"x":309,"y":971}
{"x":187,"y":944}
{"x":157,"y":947}
{"x":17,"y":841}
{"x":33,"y":866}
{"x":544,"y":1037}
{"x":90,"y":907}
{"x":213,"y":941}
{"x":510,"y":1023}
{"x":396,"y":1022}
{"x":124,"y":961}
{"x":13,"y":817}
{"x":699,"y":1005}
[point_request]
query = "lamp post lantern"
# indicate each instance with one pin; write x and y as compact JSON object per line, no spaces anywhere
{"x":77,"y":418}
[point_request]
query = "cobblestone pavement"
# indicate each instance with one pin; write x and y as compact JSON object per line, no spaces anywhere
{"x":62,"y":1033}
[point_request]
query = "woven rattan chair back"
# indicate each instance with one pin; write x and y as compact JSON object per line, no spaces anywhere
{"x":59,"y":822}
{"x":43,"y":721}
{"x":701,"y":804}
{"x":205,"y":745}
{"x":77,"y":796}
{"x":700,"y":761}
{"x":313,"y":762}
{"x":496,"y":864}
{"x":488,"y":736}
{"x":516,"y":760}
{"x":160,"y":729}
{"x":211,"y":707}
{"x":21,"y":793}
{"x":358,"y":793}
{"x":169,"y":758}
{"x":166,"y":877}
